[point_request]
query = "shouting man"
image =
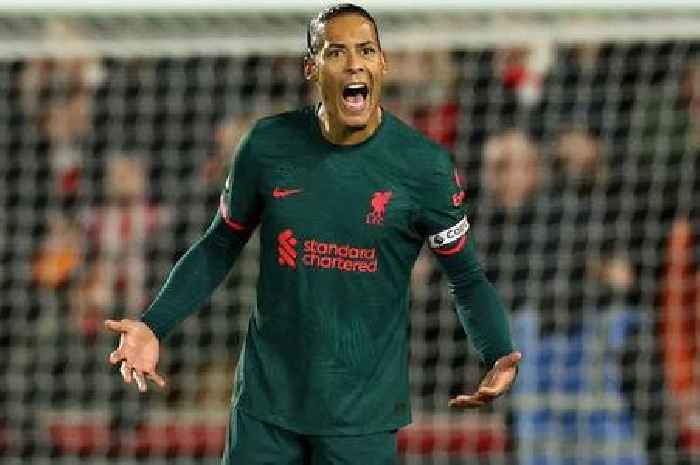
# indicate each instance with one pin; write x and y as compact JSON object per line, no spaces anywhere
{"x":345,"y":196}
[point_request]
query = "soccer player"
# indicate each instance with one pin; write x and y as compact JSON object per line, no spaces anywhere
{"x":345,"y":196}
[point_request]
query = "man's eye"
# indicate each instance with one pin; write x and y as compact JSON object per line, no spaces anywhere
{"x":368,"y":51}
{"x":334,"y":53}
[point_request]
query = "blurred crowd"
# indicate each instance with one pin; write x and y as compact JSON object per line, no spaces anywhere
{"x":578,"y":164}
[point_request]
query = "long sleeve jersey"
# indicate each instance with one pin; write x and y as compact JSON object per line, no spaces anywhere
{"x":341,"y":227}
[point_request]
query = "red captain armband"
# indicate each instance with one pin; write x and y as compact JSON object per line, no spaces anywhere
{"x":451,"y":240}
{"x":234,"y":225}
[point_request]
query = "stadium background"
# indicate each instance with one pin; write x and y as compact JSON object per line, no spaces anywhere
{"x":577,"y":132}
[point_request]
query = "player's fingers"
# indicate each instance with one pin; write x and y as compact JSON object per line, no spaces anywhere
{"x":116,"y":357}
{"x":497,"y":386}
{"x":116,"y":326}
{"x":484,"y":395}
{"x":466,"y":401}
{"x":156,"y":378}
{"x":467,"y":404}
{"x":140,"y":380}
{"x":491,"y":392}
{"x":508,"y":361}
{"x":476,"y":398}
{"x":126,"y":372}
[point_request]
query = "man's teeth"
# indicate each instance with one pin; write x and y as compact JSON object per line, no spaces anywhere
{"x":355,"y":95}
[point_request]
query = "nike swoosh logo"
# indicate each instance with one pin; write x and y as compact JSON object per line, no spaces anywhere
{"x":281,"y":193}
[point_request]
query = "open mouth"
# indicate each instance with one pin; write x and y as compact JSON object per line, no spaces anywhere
{"x":355,"y":96}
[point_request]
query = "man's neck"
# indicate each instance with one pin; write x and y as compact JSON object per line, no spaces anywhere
{"x":343,"y":135}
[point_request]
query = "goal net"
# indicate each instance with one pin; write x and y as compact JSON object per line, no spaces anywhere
{"x":577,"y":134}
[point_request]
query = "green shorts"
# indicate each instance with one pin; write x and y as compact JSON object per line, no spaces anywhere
{"x":252,"y":442}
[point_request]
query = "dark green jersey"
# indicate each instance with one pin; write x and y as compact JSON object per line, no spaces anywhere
{"x":340,"y":227}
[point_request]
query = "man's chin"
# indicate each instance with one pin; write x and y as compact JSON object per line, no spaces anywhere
{"x":356,"y":122}
{"x":356,"y":126}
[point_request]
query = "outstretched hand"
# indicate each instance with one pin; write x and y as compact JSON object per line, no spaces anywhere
{"x":497,"y":381}
{"x":137,"y":351}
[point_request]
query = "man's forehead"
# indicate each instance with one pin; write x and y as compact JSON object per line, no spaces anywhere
{"x":349,"y":28}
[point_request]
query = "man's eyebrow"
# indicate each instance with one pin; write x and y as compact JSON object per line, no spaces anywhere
{"x":361,"y":44}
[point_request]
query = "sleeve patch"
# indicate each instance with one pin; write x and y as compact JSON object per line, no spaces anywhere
{"x":449,"y":235}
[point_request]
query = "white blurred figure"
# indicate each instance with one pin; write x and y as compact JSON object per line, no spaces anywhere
{"x":118,"y":232}
{"x":57,"y":92}
{"x":512,"y":171}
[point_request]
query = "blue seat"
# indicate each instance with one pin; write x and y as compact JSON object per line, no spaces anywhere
{"x":568,"y":406}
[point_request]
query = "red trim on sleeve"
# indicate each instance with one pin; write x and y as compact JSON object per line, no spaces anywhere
{"x":454,"y":249}
{"x":234,"y":225}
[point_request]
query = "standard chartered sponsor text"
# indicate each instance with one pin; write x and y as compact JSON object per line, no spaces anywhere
{"x":342,"y":257}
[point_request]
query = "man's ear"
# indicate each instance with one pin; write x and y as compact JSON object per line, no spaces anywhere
{"x":385,"y":66}
{"x":310,"y":68}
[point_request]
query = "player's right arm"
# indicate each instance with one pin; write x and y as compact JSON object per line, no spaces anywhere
{"x":195,"y":276}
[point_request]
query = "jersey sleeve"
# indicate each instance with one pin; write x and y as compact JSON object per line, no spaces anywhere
{"x":444,"y":224}
{"x":240,"y":201}
{"x":443,"y":218}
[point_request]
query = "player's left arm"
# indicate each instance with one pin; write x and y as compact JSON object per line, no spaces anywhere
{"x":484,"y":318}
{"x":443,"y":220}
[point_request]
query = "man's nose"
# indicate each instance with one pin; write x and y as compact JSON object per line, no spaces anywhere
{"x":355,"y":63}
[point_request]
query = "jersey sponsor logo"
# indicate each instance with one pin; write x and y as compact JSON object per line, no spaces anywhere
{"x":279,"y":193}
{"x":377,"y":207}
{"x":286,"y":249}
{"x":325,"y":255}
{"x":450,"y":235}
{"x":341,"y":257}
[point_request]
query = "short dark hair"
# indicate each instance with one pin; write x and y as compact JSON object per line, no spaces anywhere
{"x":313,"y":31}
